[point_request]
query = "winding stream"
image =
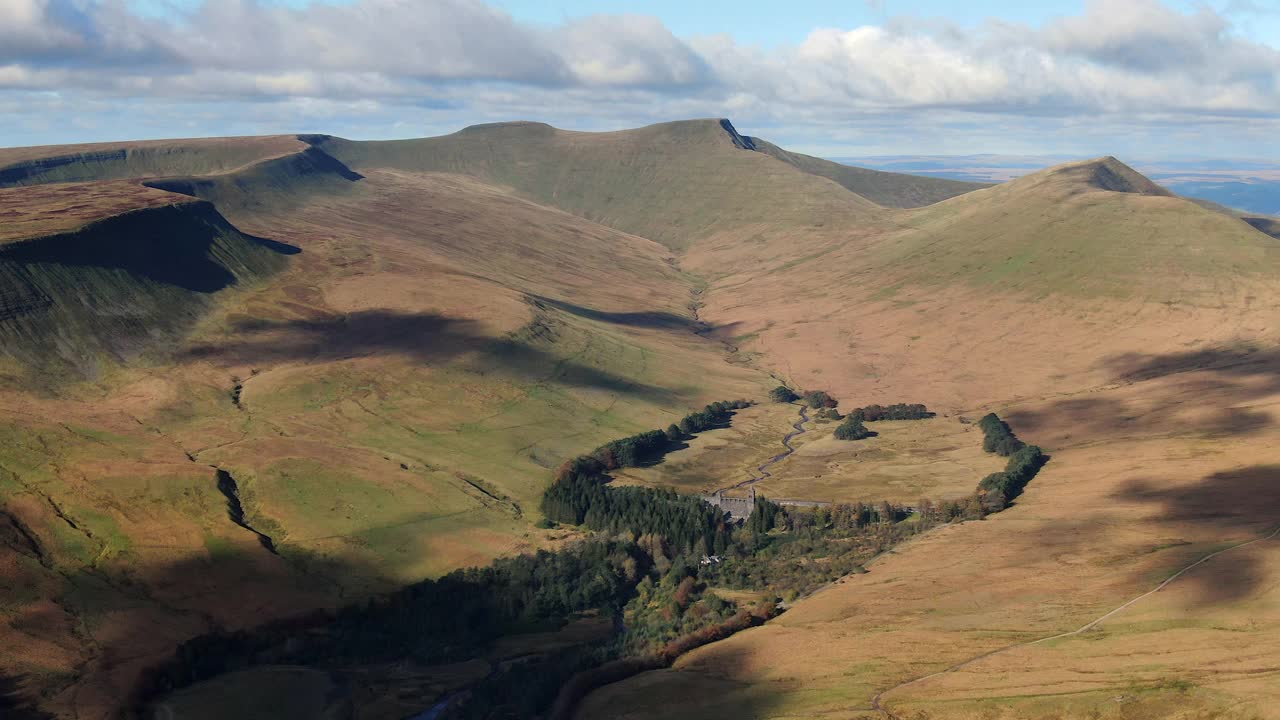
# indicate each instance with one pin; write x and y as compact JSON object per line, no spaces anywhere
{"x":762,"y":470}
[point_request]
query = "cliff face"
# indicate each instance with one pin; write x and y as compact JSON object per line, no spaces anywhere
{"x":122,"y":285}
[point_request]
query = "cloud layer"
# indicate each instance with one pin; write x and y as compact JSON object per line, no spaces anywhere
{"x":1134,"y":58}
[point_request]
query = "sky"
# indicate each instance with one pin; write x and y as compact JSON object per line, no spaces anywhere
{"x":1139,"y":79}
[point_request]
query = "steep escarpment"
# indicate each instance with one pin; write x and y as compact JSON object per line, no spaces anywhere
{"x":678,"y":183}
{"x":121,"y":285}
{"x":108,"y":161}
{"x":271,"y":185}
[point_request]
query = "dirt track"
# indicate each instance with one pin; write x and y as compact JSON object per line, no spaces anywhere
{"x":877,"y":705}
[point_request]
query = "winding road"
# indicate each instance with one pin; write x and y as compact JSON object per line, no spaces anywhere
{"x":763,"y":469}
{"x":877,"y":704}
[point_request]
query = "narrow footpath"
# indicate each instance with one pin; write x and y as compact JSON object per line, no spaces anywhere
{"x":877,"y":703}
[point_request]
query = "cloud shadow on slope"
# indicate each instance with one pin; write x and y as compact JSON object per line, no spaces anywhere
{"x":644,"y":319}
{"x":1232,"y":502}
{"x":423,"y":337}
{"x":1214,"y":388}
{"x":13,"y":704}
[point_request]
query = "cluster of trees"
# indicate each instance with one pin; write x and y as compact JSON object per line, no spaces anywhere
{"x":715,"y":415}
{"x":997,"y":437}
{"x":818,"y":399}
{"x":792,"y":551}
{"x":764,"y":516}
{"x":853,"y":428}
{"x":783,"y":394}
{"x":897,"y":411}
{"x":674,"y":605}
{"x":653,"y":444}
{"x":634,"y":450}
{"x":433,"y":621}
{"x":684,"y":520}
{"x":815,"y":399}
{"x":1002,"y":487}
{"x":999,"y":488}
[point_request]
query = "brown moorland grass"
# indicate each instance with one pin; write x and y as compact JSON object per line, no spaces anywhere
{"x":164,"y":157}
{"x":49,"y":209}
{"x":1002,"y":294}
{"x":1146,"y":478}
{"x":405,"y":387}
{"x":1130,"y":334}
{"x":720,"y":458}
{"x":938,"y":459}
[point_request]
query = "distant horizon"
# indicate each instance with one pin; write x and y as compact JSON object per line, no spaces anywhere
{"x":1069,"y":78}
{"x":847,"y":159}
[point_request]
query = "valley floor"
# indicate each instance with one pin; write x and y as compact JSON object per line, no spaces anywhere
{"x":1147,"y":479}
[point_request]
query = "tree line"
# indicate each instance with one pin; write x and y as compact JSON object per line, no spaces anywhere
{"x":651,"y":445}
{"x":997,"y":437}
{"x":643,"y":564}
{"x":999,"y":488}
{"x":853,"y":427}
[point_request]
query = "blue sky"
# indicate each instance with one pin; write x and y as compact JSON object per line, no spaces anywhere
{"x":1149,"y":78}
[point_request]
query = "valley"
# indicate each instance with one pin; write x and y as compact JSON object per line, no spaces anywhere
{"x":247,"y":380}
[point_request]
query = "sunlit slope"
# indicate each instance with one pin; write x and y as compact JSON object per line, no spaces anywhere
{"x":1014,"y":291}
{"x":1130,"y":333}
{"x":1172,"y":460}
{"x":1091,"y":229}
{"x":390,"y":405}
{"x":272,"y":185}
{"x":889,"y":189}
{"x":151,"y":158}
{"x":677,"y":183}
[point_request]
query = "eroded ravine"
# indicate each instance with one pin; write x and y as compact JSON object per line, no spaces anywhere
{"x":235,"y":509}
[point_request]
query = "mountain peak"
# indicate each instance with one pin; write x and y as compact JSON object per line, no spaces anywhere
{"x":1105,"y":173}
{"x":525,"y":127}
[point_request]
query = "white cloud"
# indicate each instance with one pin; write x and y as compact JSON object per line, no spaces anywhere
{"x":32,"y":27}
{"x":1138,"y":58}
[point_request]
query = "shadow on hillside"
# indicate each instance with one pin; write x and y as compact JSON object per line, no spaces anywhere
{"x":1231,"y":502}
{"x":647,"y":319}
{"x":14,"y":705}
{"x":424,"y":337}
{"x":144,"y":612}
{"x":282,"y":248}
{"x":170,"y":245}
{"x":1241,"y":360}
{"x":1265,"y":225}
{"x":1208,"y":395}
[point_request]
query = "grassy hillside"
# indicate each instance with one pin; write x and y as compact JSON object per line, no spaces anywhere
{"x":121,"y":285}
{"x":889,"y":189}
{"x":1127,"y":331}
{"x":1086,"y":229}
{"x":271,"y":185}
{"x":676,"y":183}
{"x":1006,"y":292}
{"x":109,"y":161}
{"x":390,"y":407}
{"x":467,"y":311}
